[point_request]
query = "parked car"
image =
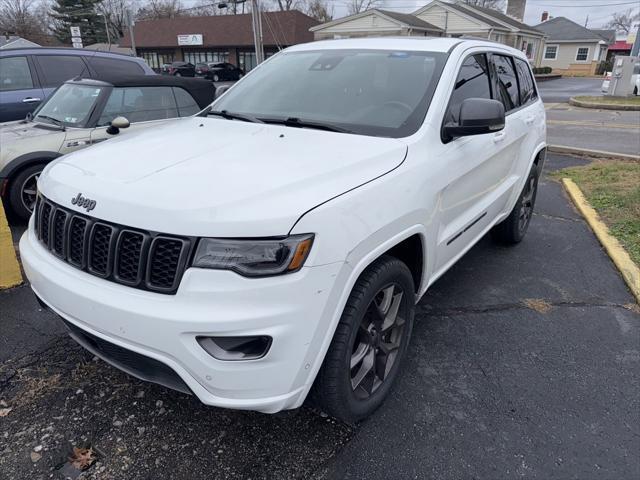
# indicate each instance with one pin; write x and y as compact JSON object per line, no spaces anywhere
{"x":81,"y":113}
{"x":182,"y":69}
{"x":30,"y":75}
{"x":165,"y":68}
{"x":606,"y":82}
{"x":276,"y":244}
{"x":219,"y":72}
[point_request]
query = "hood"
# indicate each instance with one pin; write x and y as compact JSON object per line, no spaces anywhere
{"x":215,"y":177}
{"x":21,"y":129}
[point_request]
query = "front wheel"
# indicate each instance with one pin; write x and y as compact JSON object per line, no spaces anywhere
{"x":369,"y":343}
{"x":23,"y":191}
{"x":513,"y":229}
{"x":216,"y":78}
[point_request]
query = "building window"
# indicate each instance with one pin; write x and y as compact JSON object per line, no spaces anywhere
{"x":215,"y":56}
{"x":156,"y":59}
{"x":551,"y":52}
{"x":582,"y":54}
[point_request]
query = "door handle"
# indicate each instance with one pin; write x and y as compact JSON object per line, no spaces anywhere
{"x":498,"y":137}
{"x":530,"y":120}
{"x":31,"y":100}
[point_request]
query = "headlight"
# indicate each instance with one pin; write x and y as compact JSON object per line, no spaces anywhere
{"x":254,"y":258}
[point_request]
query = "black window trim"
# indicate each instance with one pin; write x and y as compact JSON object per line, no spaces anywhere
{"x":492,"y":87}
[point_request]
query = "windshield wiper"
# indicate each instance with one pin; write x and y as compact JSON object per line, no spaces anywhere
{"x":296,"y":122}
{"x":55,"y":121}
{"x":232,"y":116}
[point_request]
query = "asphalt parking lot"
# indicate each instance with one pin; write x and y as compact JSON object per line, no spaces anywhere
{"x":524,"y":364}
{"x":561,"y":89}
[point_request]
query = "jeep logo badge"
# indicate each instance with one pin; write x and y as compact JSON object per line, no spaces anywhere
{"x":84,"y":202}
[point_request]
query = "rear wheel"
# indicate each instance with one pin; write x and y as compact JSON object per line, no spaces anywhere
{"x":22,"y":192}
{"x":513,"y":229}
{"x":369,"y":343}
{"x":216,"y":78}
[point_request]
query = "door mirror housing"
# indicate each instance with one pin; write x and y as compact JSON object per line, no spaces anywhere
{"x":116,"y":124}
{"x":477,"y":117}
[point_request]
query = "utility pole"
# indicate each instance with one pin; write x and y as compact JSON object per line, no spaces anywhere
{"x":635,"y":50}
{"x":133,"y":40}
{"x":256,"y":19}
{"x":106,"y":29}
{"x":586,"y":21}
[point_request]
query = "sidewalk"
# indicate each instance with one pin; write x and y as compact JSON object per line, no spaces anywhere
{"x":606,"y":130}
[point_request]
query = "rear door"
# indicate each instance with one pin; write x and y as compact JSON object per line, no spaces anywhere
{"x":20,"y":92}
{"x":54,"y":70}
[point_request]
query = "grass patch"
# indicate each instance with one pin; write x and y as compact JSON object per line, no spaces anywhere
{"x":635,"y":100}
{"x":613,"y":189}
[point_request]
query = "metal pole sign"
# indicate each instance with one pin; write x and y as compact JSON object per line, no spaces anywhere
{"x":76,"y":38}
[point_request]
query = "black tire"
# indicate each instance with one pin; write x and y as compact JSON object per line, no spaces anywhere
{"x":513,"y":229}
{"x":635,"y":90}
{"x":16,"y":192}
{"x":333,"y":390}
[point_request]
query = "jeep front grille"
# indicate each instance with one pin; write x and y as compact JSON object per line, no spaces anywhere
{"x":136,"y":258}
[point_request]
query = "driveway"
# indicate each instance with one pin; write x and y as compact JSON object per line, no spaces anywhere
{"x":525,"y":362}
{"x":562,"y":89}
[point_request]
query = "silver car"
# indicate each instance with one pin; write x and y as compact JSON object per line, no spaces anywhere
{"x":83,"y":112}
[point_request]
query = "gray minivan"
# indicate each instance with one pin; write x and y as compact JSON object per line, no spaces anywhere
{"x":29,"y":75}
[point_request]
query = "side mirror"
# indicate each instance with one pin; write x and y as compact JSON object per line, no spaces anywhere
{"x":477,"y":116}
{"x":116,"y":124}
{"x":220,"y":90}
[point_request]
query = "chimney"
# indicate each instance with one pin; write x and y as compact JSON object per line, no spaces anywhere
{"x":515,"y":9}
{"x":545,"y":16}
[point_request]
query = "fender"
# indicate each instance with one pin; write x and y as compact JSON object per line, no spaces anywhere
{"x":27,"y":160}
{"x":353,"y":268}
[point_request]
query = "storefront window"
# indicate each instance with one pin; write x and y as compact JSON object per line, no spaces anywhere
{"x":156,"y":59}
{"x":247,"y":60}
{"x":206,"y":56}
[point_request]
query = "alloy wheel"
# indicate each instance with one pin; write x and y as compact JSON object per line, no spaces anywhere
{"x":378,"y":341}
{"x":29,"y":191}
{"x":526,"y":208}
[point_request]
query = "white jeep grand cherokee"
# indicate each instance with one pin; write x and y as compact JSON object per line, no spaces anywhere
{"x":274,"y":246}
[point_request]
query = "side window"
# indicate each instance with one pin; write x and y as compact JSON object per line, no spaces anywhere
{"x":507,"y":82}
{"x":57,"y":69}
{"x":472,"y":82}
{"x":186,"y":104}
{"x":110,"y":66}
{"x":15,"y":74}
{"x":139,"y":104}
{"x":527,"y":88}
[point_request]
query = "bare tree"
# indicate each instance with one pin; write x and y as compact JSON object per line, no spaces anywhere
{"x":319,"y":9}
{"x":22,"y":18}
{"x":623,"y":21}
{"x":357,"y":6}
{"x":155,"y":9}
{"x":284,"y":5}
{"x":493,"y":4}
{"x":115,"y":12}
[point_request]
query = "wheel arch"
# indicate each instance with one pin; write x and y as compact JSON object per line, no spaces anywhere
{"x":24,"y":161}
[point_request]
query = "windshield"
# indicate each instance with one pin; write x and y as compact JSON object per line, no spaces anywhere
{"x":70,"y":105}
{"x":369,"y":92}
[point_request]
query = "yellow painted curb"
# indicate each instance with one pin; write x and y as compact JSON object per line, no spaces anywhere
{"x":10,"y":274}
{"x":629,"y":270}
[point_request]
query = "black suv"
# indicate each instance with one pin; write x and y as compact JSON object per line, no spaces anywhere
{"x":218,"y":72}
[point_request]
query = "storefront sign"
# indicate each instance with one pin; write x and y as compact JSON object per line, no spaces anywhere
{"x":191,"y":39}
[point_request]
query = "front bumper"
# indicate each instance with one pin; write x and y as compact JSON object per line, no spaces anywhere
{"x":295,"y":310}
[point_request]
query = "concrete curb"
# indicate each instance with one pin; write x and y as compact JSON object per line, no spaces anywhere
{"x":592,"y":153}
{"x":603,"y":106}
{"x":629,"y":270}
{"x":10,"y":275}
{"x":543,"y":77}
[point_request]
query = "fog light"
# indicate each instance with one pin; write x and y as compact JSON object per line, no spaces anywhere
{"x":236,"y":348}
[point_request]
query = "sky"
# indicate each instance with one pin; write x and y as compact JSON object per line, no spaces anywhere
{"x":599,"y":11}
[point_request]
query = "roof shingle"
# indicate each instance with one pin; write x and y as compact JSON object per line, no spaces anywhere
{"x":560,"y":29}
{"x":279,"y":28}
